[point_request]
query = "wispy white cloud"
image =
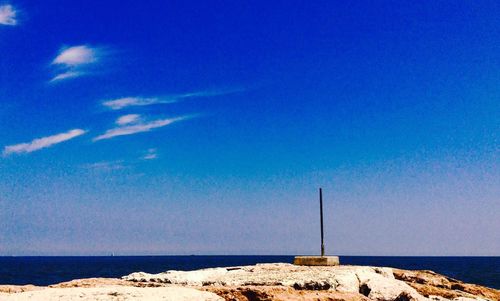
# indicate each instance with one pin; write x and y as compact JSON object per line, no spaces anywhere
{"x":8,"y":15}
{"x":128,"y":119}
{"x":74,"y":61}
{"x":105,"y":166}
{"x":76,"y":55}
{"x":120,"y":103}
{"x":138,"y":128}
{"x":151,"y":154}
{"x":66,"y":75}
{"x":43,"y":142}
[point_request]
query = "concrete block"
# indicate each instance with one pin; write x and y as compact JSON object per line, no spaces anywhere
{"x":316,"y":260}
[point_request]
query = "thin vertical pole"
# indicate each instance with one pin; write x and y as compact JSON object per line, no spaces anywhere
{"x":321,"y":219}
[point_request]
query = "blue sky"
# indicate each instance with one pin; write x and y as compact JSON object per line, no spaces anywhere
{"x":180,"y":127}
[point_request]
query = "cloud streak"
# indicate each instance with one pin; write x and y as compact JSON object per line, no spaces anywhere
{"x":73,"y":61}
{"x":138,"y":128}
{"x":151,"y":154}
{"x":105,"y":166}
{"x":66,"y":75}
{"x":41,"y":143}
{"x":124,"y":102}
{"x":128,"y":119}
{"x":8,"y":15}
{"x":76,"y":55}
{"x":120,"y":103}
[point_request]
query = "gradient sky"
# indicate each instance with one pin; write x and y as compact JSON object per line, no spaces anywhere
{"x":179,"y":127}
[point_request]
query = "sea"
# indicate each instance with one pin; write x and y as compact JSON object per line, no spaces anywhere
{"x":50,"y":270}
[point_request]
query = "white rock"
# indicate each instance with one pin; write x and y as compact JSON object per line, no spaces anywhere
{"x":379,"y":283}
{"x":113,"y":293}
{"x":374,"y":282}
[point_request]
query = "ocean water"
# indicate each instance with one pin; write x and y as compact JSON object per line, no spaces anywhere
{"x":50,"y":270}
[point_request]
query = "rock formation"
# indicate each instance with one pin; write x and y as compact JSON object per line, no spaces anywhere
{"x":278,"y":281}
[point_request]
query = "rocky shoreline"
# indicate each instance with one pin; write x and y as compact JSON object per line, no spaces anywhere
{"x":279,"y":281}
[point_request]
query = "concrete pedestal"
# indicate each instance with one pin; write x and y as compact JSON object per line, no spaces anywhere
{"x":316,"y":260}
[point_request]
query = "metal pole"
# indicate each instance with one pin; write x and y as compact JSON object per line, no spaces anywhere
{"x":321,"y":219}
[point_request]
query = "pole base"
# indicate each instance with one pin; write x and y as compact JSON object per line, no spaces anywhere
{"x":316,"y":260}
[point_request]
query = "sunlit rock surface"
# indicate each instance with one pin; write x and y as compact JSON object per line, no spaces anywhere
{"x":278,"y":281}
{"x":357,"y":282}
{"x":112,"y":292}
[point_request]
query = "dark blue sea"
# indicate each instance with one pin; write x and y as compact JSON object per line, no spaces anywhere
{"x":50,"y":270}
